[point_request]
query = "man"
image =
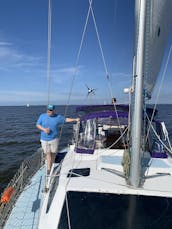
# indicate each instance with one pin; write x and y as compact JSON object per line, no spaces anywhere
{"x":49,"y":124}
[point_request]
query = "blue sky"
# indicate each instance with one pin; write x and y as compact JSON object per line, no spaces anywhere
{"x":23,"y":52}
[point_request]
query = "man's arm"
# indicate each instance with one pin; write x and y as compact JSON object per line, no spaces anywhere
{"x":72,"y":120}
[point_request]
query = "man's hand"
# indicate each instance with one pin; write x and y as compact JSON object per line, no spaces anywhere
{"x":47,"y":130}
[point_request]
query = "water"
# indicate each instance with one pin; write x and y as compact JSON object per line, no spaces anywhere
{"x":19,"y":137}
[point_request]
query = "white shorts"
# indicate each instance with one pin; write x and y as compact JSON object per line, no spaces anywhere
{"x":50,"y":146}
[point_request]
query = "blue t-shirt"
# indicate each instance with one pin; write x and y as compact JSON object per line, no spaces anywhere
{"x":51,"y":122}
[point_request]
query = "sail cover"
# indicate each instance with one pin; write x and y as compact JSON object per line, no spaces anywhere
{"x":158,"y":26}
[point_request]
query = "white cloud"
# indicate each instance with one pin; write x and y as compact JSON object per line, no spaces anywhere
{"x":62,"y":75}
{"x":69,"y":70}
{"x":11,"y":57}
{"x":4,"y":43}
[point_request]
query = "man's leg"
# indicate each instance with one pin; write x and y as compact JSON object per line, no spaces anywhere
{"x":49,"y":162}
{"x":47,"y":152}
{"x":53,"y":148}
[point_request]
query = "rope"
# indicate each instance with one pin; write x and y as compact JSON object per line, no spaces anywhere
{"x":49,"y":49}
{"x":121,"y":136}
{"x":49,"y":54}
{"x":67,"y":209}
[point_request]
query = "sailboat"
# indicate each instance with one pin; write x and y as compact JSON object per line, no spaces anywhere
{"x":120,"y":157}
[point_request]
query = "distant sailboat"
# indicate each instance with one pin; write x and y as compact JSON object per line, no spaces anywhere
{"x":28,"y":105}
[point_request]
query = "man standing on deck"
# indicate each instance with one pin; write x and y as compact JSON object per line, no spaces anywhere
{"x":49,"y":124}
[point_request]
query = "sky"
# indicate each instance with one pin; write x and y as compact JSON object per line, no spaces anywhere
{"x":24,"y":52}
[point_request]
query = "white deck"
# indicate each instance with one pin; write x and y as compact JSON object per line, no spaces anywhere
{"x":102,"y":179}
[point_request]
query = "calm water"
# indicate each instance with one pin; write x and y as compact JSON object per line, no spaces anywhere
{"x":19,"y":137}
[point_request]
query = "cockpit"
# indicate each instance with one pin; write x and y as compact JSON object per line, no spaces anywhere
{"x":105,"y":129}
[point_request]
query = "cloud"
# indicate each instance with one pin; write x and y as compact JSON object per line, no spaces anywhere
{"x":68,"y":70}
{"x":61,"y":75}
{"x":2,"y":43}
{"x":11,"y":57}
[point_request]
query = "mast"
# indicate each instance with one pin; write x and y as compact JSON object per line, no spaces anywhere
{"x":136,"y":126}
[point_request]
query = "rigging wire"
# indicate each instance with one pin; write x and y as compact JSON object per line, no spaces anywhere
{"x":76,"y":65}
{"x":159,"y":90}
{"x":115,"y":11}
{"x":104,"y":64}
{"x":70,"y":92}
{"x":90,"y":10}
{"x":158,"y":137}
{"x":99,"y":42}
{"x":49,"y":49}
{"x":101,"y":50}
